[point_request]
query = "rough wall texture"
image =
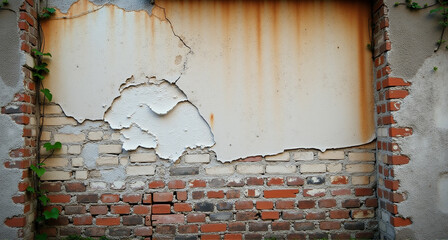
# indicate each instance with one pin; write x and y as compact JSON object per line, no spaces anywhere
{"x":18,"y":24}
{"x":412,"y":126}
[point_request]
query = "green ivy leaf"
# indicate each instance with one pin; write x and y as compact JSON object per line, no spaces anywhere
{"x":436,"y":10}
{"x":38,"y":171}
{"x":53,"y":213}
{"x":50,"y":10}
{"x":30,"y":189}
{"x":38,"y":76}
{"x":47,"y":94}
{"x":42,"y":68}
{"x":42,"y":236}
{"x":44,"y":200}
{"x":5,"y":2}
{"x":48,"y":146}
{"x":39,"y":53}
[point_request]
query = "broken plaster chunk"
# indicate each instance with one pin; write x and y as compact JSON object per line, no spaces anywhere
{"x":282,"y":157}
{"x":134,"y":137}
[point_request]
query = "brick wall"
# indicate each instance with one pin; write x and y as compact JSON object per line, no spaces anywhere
{"x":23,"y":111}
{"x":388,"y":97}
{"x":102,"y":190}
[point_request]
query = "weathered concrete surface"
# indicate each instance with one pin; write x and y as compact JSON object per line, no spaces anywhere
{"x":274,"y":75}
{"x":10,"y":138}
{"x":413,"y":35}
{"x":11,"y":58}
{"x":93,"y":60}
{"x":424,"y":179}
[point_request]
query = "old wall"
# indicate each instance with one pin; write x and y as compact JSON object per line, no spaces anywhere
{"x":18,"y":35}
{"x":181,"y":120}
{"x":412,"y":152}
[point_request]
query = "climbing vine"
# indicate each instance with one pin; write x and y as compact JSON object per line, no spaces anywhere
{"x":440,"y":8}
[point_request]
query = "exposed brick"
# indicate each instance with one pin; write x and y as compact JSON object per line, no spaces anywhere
{"x":354,"y":225}
{"x":280,"y":226}
{"x":75,"y":187}
{"x":222,"y":206}
{"x":258,"y":226}
{"x":167,"y":219}
{"x":245,"y":216}
{"x":141,"y":209}
{"x":314,"y":192}
{"x":215,"y":194}
{"x":363,"y":213}
{"x":120,"y":209}
{"x":147,"y":198}
{"x":253,"y":236}
{"x":66,"y":231}
{"x":339,"y":214}
{"x":143,"y":231}
{"x":98,"y":210}
{"x":275,"y":181}
{"x":82,"y":220}
{"x":303,"y":226}
{"x":182,"y":171}
{"x":400,"y":222}
{"x":395,"y":94}
{"x":339,"y":192}
{"x":156,"y":184}
{"x":110,"y":198}
{"x":161,"y":208}
{"x":119,"y":232}
{"x":195,"y":217}
{"x":284,"y":204}
{"x":75,"y":209}
{"x":51,"y":187}
{"x":218,"y":227}
{"x":181,"y":195}
{"x":165,"y":229}
{"x":221,"y":216}
{"x":107,"y":221}
{"x":15,"y":222}
{"x":132,"y":198}
{"x":188,"y":229}
{"x":255,"y":181}
{"x":210,"y":237}
{"x":400,"y":132}
{"x":315,"y":216}
{"x":61,"y":221}
{"x":182,"y":207}
{"x":393,"y":82}
{"x":326,"y":225}
{"x":281,"y":193}
{"x":264,"y":205}
{"x":197,"y":184}
{"x":363,"y":191}
{"x":95,"y":231}
{"x":197,"y":194}
{"x":59,"y":198}
{"x":306,"y":204}
{"x":293,"y":215}
{"x":236,"y":226}
{"x":327,"y":203}
{"x":233,"y":236}
{"x":297,"y":236}
{"x":204,"y":207}
{"x":295,"y":181}
{"x":232,"y":194}
{"x":176,"y":184}
{"x":271,"y":215}
{"x":162,"y":197}
{"x":241,"y":205}
{"x":132,"y":220}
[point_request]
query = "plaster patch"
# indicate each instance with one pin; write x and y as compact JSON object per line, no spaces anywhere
{"x":175,"y":127}
{"x":90,"y":154}
{"x":90,"y":61}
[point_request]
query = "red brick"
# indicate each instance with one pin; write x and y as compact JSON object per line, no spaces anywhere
{"x":141,"y":209}
{"x":255,"y":181}
{"x":389,"y":119}
{"x":75,"y":187}
{"x":394,"y":82}
{"x":306,"y":204}
{"x":176,"y":184}
{"x":396,"y":197}
{"x":182,"y":207}
{"x":161,"y":208}
{"x":395,"y":94}
{"x":339,"y":214}
{"x":251,"y":193}
{"x":163,"y":197}
{"x":147,"y":198}
{"x":393,"y":106}
{"x":98,"y":210}
{"x":400,"y":132}
{"x":120,"y":209}
{"x":182,"y":195}
{"x":315,"y":216}
{"x":232,"y":194}
{"x":110,"y":198}
{"x":59,"y":198}
{"x":23,"y":120}
{"x":188,"y":229}
{"x":339,"y":180}
{"x":156,"y":184}
{"x":270,"y":215}
{"x":295,"y":181}
{"x":196,"y":217}
{"x":107,"y":221}
{"x":210,"y":237}
{"x":215,"y":194}
{"x":363,"y":191}
{"x":264,"y":205}
{"x":293,"y":215}
{"x":284,"y":204}
{"x":143,"y":231}
{"x":392,"y":208}
{"x":327,"y":203}
{"x":275,"y":181}
{"x":132,"y":198}
{"x":240,"y":205}
{"x":351,"y":203}
{"x":15,"y":222}
{"x":82,"y":220}
{"x":198,"y":184}
{"x":392,"y":184}
{"x":23,"y":26}
{"x":233,"y":236}
{"x":197,"y":194}
{"x":282,"y":193}
{"x":329,"y":225}
{"x":246,"y":216}
{"x":168,"y":219}
{"x":339,"y":192}
{"x":21,"y":152}
{"x":237,"y":226}
{"x":280,"y":226}
{"x":213,"y":227}
{"x":22,"y":186}
{"x":312,"y":193}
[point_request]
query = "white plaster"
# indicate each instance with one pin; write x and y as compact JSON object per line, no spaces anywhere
{"x":89,"y":71}
{"x":443,"y":193}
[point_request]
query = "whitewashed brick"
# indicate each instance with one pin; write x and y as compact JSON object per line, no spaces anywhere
{"x":118,"y":185}
{"x":331,"y":155}
{"x":56,"y":162}
{"x":220,"y":170}
{"x":115,"y":136}
{"x":257,"y":193}
{"x":77,"y":162}
{"x":303,"y":156}
{"x":81,"y":174}
{"x":53,"y":109}
{"x":46,"y":136}
{"x":124,"y":161}
{"x":29,"y":60}
{"x":98,"y":186}
{"x":140,"y":170}
{"x":107,"y":161}
{"x":334,"y":167}
{"x":74,"y":149}
{"x":312,"y":168}
{"x":360,"y":180}
{"x":62,"y":151}
{"x":143,"y":157}
{"x":69,"y":138}
{"x":32,"y":121}
{"x":361,"y":156}
{"x":113,"y":148}
{"x":280,"y":169}
{"x":197,"y":158}
{"x":250,"y":169}
{"x":96,"y":135}
{"x":56,"y":175}
{"x":314,"y":192}
{"x":59,"y":121}
{"x":359,"y":168}
{"x":282,"y":157}
{"x":137,"y":185}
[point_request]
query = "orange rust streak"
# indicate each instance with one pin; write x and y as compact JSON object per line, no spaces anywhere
{"x":212,"y":120}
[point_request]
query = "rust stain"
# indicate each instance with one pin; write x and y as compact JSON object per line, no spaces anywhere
{"x":212,"y":120}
